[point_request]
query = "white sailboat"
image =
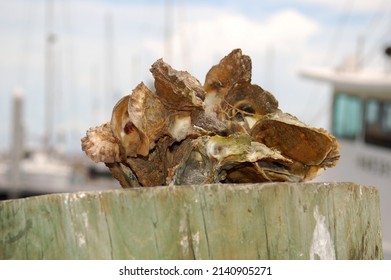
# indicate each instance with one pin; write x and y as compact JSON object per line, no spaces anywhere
{"x":31,"y":171}
{"x":361,"y":120}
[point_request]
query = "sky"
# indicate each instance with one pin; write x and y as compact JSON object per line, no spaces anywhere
{"x":101,"y":50}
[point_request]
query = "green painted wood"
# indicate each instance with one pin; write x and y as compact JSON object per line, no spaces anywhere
{"x":255,"y":221}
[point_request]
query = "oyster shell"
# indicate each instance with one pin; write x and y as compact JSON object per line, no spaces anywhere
{"x":227,"y":131}
{"x":213,"y":159}
{"x":124,"y":130}
{"x":149,"y":116}
{"x":244,"y":104}
{"x":241,"y":158}
{"x":295,"y":140}
{"x":235,"y":68}
{"x":178,"y":90}
{"x":123,"y":174}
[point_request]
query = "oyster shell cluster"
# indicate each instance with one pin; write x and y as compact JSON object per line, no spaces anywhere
{"x":225,"y":131}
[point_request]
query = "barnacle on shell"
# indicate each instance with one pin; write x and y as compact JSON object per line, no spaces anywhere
{"x":100,"y":144}
{"x":227,"y":131}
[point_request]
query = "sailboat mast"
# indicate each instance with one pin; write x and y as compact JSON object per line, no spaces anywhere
{"x":16,"y":154}
{"x":168,"y":18}
{"x":109,"y":58}
{"x":49,"y":75}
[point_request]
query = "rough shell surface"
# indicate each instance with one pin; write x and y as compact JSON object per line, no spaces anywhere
{"x":235,"y":68}
{"x":227,"y":131}
{"x":295,"y":140}
{"x":149,"y":116}
{"x":178,"y":90}
{"x":101,"y":145}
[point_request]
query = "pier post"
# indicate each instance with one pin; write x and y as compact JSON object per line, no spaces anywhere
{"x":245,"y":221}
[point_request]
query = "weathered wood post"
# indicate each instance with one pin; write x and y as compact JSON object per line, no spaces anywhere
{"x":254,"y":221}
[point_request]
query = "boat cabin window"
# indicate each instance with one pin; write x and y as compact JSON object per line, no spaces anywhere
{"x":347,"y":116}
{"x":378,"y":122}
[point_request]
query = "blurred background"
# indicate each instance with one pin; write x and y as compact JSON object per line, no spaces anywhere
{"x":65,"y":63}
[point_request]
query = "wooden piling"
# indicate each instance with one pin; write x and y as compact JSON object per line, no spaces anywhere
{"x":245,"y":221}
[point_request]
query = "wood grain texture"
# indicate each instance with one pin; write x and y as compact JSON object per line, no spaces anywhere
{"x":247,"y":221}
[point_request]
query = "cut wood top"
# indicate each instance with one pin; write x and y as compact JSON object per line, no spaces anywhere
{"x":245,"y":221}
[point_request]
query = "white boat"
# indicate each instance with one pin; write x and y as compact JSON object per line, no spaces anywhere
{"x":361,"y":120}
{"x":46,"y":173}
